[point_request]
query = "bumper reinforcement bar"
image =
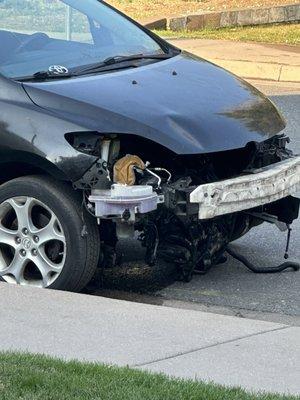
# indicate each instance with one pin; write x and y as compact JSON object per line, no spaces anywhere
{"x":262,"y":186}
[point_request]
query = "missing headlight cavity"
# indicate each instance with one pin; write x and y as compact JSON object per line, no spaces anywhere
{"x":145,"y":192}
{"x":91,"y":142}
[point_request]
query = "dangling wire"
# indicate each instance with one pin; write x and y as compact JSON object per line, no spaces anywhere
{"x":286,"y":254}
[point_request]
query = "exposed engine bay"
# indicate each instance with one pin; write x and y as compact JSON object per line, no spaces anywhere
{"x":141,"y":190}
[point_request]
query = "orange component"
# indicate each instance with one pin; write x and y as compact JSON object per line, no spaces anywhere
{"x":124,"y":169}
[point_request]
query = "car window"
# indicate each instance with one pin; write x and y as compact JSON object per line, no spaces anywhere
{"x":36,"y":34}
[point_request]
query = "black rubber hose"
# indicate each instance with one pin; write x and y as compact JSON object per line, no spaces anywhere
{"x":262,"y":270}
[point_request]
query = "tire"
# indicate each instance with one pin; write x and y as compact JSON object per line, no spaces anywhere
{"x":59,"y":247}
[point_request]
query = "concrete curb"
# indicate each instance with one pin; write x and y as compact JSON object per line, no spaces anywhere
{"x":230,"y":18}
{"x":159,"y":24}
{"x":259,"y":70}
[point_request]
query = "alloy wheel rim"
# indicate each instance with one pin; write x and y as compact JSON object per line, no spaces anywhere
{"x":32,"y":243}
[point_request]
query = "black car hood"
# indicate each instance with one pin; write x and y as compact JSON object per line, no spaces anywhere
{"x":185,"y":103}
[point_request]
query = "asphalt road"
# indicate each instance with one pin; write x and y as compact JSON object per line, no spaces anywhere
{"x":231,"y":288}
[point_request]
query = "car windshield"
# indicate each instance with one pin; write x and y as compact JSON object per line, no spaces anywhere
{"x":40,"y":35}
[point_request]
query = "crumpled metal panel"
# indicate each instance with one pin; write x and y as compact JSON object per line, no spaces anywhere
{"x":248,"y":191}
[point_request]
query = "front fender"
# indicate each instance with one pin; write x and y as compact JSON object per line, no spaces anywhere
{"x":33,"y":135}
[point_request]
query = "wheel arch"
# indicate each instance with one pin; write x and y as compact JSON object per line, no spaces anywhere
{"x":19,"y":165}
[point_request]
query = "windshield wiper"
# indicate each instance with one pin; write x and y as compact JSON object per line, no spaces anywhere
{"x":108,"y":63}
{"x":43,"y":76}
{"x":111,"y":61}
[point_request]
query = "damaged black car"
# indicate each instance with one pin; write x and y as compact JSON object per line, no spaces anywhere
{"x":107,"y":131}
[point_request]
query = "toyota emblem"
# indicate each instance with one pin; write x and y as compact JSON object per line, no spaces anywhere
{"x":58,"y":70}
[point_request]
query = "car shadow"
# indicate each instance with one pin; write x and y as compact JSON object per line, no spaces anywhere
{"x":132,"y":274}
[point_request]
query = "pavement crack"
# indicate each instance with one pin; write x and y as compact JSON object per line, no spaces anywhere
{"x":183,"y":353}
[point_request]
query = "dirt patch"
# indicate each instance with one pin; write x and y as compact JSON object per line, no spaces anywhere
{"x":132,"y":274}
{"x":138,"y":277}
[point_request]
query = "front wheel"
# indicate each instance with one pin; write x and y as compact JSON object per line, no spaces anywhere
{"x":46,"y":239}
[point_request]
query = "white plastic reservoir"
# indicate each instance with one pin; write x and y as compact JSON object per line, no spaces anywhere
{"x":114,"y":202}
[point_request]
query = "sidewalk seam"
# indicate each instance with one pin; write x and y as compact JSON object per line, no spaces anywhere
{"x":144,"y":364}
{"x":273,"y":63}
{"x":281,"y":68}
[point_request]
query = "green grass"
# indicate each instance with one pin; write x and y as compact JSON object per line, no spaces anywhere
{"x":281,"y":33}
{"x":31,"y":377}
